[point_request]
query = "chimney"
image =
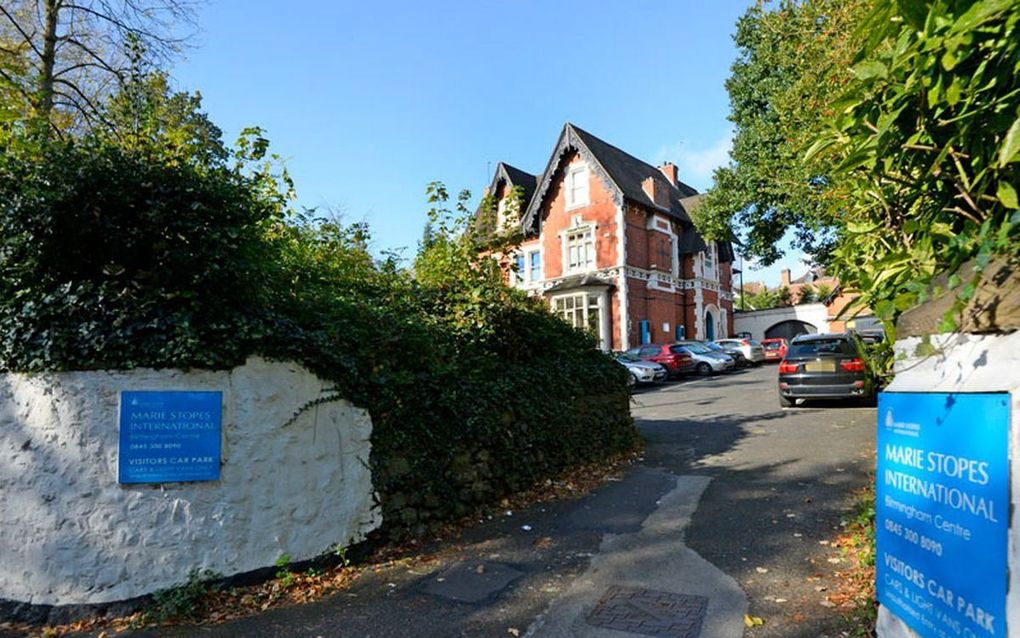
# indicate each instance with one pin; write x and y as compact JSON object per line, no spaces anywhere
{"x":669,"y":170}
{"x":656,"y":191}
{"x":784,"y":276}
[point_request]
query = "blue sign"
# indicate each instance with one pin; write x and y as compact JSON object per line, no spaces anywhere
{"x":942,"y":511}
{"x":168,"y":437}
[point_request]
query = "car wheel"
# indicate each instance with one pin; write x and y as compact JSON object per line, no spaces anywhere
{"x":703,"y":369}
{"x":786,"y":403}
{"x":631,"y":380}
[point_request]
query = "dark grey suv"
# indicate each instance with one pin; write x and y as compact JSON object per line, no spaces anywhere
{"x":825,"y":366}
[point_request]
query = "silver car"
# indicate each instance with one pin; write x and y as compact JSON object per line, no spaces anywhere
{"x":751,"y":349}
{"x":706,"y":360}
{"x":641,"y":371}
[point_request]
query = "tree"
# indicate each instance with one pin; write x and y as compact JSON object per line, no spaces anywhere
{"x":75,"y":52}
{"x":823,"y":292}
{"x":783,"y":297}
{"x":807,"y":294}
{"x":793,"y":60}
{"x":926,"y":148}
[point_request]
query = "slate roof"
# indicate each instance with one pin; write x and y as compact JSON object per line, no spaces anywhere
{"x":517,"y":177}
{"x":628,"y":172}
{"x":623,"y":171}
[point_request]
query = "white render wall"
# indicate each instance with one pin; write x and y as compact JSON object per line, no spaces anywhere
{"x":968,"y":363}
{"x":70,"y":534}
{"x":757,"y":322}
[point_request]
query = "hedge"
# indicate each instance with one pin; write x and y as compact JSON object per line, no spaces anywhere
{"x":111,"y":258}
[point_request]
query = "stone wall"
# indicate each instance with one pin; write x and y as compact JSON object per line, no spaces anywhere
{"x":70,"y":534}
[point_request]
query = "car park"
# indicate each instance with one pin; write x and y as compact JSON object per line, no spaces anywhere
{"x":825,"y":367}
{"x":706,"y":360}
{"x":775,"y":349}
{"x":750,"y":349}
{"x":641,"y":371}
{"x":676,"y":361}
{"x":738,"y":356}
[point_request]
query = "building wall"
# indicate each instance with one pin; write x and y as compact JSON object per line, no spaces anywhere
{"x":601,"y":210}
{"x":293,"y":481}
{"x":757,"y":322}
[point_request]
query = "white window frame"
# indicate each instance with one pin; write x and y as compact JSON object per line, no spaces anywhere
{"x":590,"y":300}
{"x":527,"y":263}
{"x":577,"y":184}
{"x":501,"y":215}
{"x":518,"y":276}
{"x":708,"y":261}
{"x":586,"y":231}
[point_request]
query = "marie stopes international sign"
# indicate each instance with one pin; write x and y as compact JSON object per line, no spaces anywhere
{"x":942,"y":508}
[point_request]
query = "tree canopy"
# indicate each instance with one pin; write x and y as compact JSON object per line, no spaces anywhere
{"x":886,"y":136}
{"x":793,"y":60}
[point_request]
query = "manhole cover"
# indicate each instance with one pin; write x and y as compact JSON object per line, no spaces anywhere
{"x":471,"y":581}
{"x":653,"y":613}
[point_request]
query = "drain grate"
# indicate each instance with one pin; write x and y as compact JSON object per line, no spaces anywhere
{"x":653,"y":613}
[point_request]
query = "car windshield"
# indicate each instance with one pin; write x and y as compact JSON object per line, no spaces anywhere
{"x":772,"y":345}
{"x":817,"y":347}
{"x":696,"y":348}
{"x":627,"y":358}
{"x":714,"y":346}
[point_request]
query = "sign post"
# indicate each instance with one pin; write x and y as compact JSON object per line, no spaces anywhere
{"x":169,"y":436}
{"x":942,"y":511}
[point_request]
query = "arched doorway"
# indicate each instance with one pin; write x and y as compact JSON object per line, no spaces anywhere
{"x":709,"y":326}
{"x":790,"y":329}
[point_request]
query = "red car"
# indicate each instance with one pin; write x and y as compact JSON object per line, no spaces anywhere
{"x":775,"y":349}
{"x":670,"y":356}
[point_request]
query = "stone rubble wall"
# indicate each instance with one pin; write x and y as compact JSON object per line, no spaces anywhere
{"x":70,"y":534}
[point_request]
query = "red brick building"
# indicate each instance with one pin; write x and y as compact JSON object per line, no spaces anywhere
{"x":610,"y":243}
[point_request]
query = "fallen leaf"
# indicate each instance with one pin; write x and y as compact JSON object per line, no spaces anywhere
{"x":513,"y":631}
{"x":753,"y":621}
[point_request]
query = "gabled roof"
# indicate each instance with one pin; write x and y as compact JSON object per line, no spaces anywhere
{"x":621,"y":171}
{"x":515,"y":177}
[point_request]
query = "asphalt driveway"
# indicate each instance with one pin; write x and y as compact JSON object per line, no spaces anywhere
{"x":728,"y":513}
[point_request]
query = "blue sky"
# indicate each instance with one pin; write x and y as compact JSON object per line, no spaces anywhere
{"x":370,"y":101}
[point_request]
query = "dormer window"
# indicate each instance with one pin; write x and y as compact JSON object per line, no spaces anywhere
{"x":577,"y":185}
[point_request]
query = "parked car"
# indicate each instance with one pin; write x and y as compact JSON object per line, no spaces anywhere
{"x":676,"y":361}
{"x":751,"y":350}
{"x":775,"y":349}
{"x":825,"y":366}
{"x":706,"y":360}
{"x":641,"y":371}
{"x":738,"y":356}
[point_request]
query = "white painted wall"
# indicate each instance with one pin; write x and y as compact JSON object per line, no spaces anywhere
{"x":70,"y":534}
{"x":968,"y":363}
{"x":758,"y":321}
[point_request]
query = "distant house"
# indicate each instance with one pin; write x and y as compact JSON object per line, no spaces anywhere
{"x":609,"y":242}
